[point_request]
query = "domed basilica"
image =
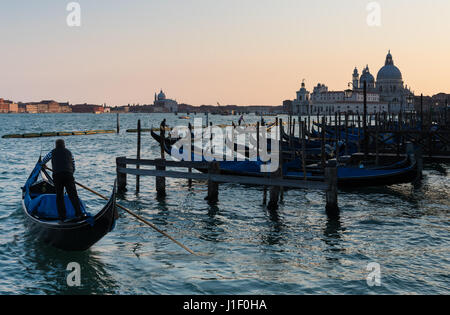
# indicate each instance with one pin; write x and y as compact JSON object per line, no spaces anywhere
{"x":163,"y":104}
{"x":385,"y":94}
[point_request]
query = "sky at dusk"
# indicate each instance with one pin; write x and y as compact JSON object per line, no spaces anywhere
{"x":207,"y":51}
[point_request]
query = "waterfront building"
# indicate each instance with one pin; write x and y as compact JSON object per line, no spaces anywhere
{"x":52,"y":106}
{"x":42,"y":108}
{"x":385,"y":94}
{"x":88,"y":108}
{"x":65,"y":108}
{"x":163,"y":104}
{"x":45,"y":106}
{"x":8,"y":106}
{"x":31,"y":108}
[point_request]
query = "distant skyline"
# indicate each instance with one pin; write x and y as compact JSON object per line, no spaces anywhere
{"x":204,"y":52}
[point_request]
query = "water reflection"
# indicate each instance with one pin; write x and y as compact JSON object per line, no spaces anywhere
{"x":50,"y":265}
{"x":211,"y":225}
{"x":275,"y":235}
{"x":332,"y":238}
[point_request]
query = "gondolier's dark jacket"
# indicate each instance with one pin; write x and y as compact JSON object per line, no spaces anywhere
{"x":62,"y":161}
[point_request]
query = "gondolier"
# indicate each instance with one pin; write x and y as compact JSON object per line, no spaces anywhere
{"x":241,"y":119}
{"x":63,"y":166}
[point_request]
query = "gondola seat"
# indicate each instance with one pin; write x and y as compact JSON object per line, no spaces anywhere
{"x":44,"y":207}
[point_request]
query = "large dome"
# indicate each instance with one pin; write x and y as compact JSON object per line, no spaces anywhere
{"x":389,"y":71}
{"x":161,"y":96}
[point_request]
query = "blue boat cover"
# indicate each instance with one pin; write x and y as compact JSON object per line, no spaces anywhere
{"x":44,"y":206}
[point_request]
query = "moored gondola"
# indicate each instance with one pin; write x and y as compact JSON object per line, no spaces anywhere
{"x":75,"y":234}
{"x":349,"y":174}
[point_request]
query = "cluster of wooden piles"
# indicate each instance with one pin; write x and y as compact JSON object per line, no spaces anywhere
{"x":273,"y":183}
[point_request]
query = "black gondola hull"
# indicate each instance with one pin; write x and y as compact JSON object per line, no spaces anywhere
{"x":73,"y":236}
{"x":407,"y":176}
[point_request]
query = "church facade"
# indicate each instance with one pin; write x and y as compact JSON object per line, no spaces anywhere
{"x":386,"y":94}
{"x":163,"y":104}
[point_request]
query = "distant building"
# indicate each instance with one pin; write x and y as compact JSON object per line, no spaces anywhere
{"x":32,"y":108}
{"x":51,"y":106}
{"x":87,"y":108}
{"x":8,"y":106}
{"x":65,"y":108}
{"x":42,"y":108}
{"x":440,"y":101}
{"x":22,"y":108}
{"x":13,"y":108}
{"x":386,"y":94}
{"x":287,"y":106}
{"x":121,"y":109}
{"x":45,"y":106}
{"x":164,"y":104}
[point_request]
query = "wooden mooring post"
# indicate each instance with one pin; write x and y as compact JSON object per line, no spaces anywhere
{"x":160,"y":181}
{"x":192,"y":150}
{"x":121,"y":177}
{"x":303,"y":128}
{"x":280,"y":159}
{"x":138,"y":156}
{"x":332,"y":207}
{"x":322,"y":143}
{"x":117,"y":123}
{"x":213,"y":187}
{"x":274,"y":194}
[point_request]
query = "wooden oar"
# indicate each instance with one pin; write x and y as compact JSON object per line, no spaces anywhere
{"x":136,"y":216}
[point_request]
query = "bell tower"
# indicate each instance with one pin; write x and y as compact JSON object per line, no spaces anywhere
{"x":355,"y":79}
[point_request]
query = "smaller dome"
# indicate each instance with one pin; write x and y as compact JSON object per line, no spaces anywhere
{"x":367,"y":77}
{"x":161,"y":96}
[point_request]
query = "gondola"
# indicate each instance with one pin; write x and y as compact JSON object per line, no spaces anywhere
{"x":351,"y":176}
{"x":349,"y":173}
{"x":168,"y":140}
{"x":74,"y":234}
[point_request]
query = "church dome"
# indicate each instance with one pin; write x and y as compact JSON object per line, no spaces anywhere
{"x":389,"y":71}
{"x":367,"y":77}
{"x":161,"y":96}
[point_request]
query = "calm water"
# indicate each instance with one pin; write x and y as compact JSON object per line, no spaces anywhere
{"x":297,"y":250}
